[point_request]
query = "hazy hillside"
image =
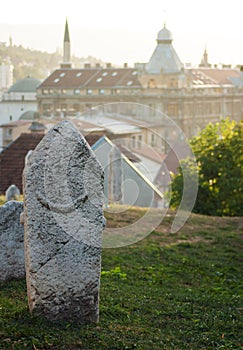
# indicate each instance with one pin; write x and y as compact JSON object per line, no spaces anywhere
{"x":35,"y":63}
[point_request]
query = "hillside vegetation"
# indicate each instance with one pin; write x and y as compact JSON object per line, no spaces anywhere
{"x":34,"y":63}
{"x":177,"y":291}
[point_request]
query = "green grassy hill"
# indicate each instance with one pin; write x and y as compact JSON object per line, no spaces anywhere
{"x":168,"y":291}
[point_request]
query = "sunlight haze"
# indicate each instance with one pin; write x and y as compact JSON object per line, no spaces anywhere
{"x":126,"y":31}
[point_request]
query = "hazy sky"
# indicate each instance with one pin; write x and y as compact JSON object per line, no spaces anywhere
{"x":126,"y":31}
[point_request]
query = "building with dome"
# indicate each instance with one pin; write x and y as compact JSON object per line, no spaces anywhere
{"x":192,"y":97}
{"x":164,"y":58}
{"x":19,"y":99}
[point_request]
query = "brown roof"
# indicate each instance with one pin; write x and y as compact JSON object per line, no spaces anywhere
{"x":150,"y":153}
{"x":92,"y":78}
{"x":214,"y":75}
{"x":171,"y":163}
{"x":92,"y":139}
{"x":15,"y":123}
{"x":128,"y":153}
{"x":12,"y":160}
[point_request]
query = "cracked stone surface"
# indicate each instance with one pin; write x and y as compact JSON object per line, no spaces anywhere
{"x":63,"y":220}
{"x":12,"y":263}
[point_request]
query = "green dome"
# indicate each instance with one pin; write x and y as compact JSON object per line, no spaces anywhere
{"x":27,"y":84}
{"x":29,"y":115}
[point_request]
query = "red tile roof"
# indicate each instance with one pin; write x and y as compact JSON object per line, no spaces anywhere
{"x":91,"y":78}
{"x":214,"y":75}
{"x":12,"y":160}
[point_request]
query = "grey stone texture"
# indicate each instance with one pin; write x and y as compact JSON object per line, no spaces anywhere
{"x":12,"y":263}
{"x":12,"y":193}
{"x":63,"y":220}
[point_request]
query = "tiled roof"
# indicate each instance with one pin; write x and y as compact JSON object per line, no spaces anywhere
{"x":171,"y":163}
{"x":127,"y":153}
{"x":16,"y":124}
{"x":12,"y":160}
{"x":202,"y":76}
{"x":92,"y":78}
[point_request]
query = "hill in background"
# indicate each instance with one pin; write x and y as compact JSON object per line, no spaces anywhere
{"x":37,"y":64}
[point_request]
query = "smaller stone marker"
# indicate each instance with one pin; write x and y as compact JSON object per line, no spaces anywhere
{"x":63,"y":219}
{"x":12,"y":263}
{"x":12,"y":193}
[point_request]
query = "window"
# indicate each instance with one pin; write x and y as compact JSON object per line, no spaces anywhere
{"x":151,"y":83}
{"x":76,"y":92}
{"x":140,"y":138}
{"x":152,"y":140}
{"x":172,"y":110}
{"x":133,"y":141}
{"x":46,"y":108}
{"x":89,"y":91}
{"x":101,"y":91}
{"x":9,"y":132}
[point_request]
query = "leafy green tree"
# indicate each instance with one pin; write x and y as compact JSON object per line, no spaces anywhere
{"x":219,"y":152}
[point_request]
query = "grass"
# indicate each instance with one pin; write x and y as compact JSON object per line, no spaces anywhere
{"x":168,"y":291}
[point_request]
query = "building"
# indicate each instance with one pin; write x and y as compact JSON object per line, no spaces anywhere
{"x":18,"y":99}
{"x":12,"y":162}
{"x":191,"y":97}
{"x":6,"y":75}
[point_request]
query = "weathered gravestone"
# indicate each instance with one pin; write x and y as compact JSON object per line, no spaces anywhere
{"x":12,"y":263}
{"x":63,"y":219}
{"x":12,"y":193}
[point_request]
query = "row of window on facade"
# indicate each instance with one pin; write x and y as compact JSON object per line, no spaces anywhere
{"x":89,"y":92}
{"x":172,"y":110}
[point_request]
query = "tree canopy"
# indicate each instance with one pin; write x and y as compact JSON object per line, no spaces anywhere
{"x":219,"y":152}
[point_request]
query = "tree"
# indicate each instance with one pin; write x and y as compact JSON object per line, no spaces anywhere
{"x":219,"y":152}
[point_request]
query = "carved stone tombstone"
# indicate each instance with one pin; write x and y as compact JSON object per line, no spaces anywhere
{"x":63,"y":219}
{"x":11,"y":242}
{"x":12,"y":193}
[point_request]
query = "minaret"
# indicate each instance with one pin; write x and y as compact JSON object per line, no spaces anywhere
{"x":66,"y":49}
{"x":204,"y":60}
